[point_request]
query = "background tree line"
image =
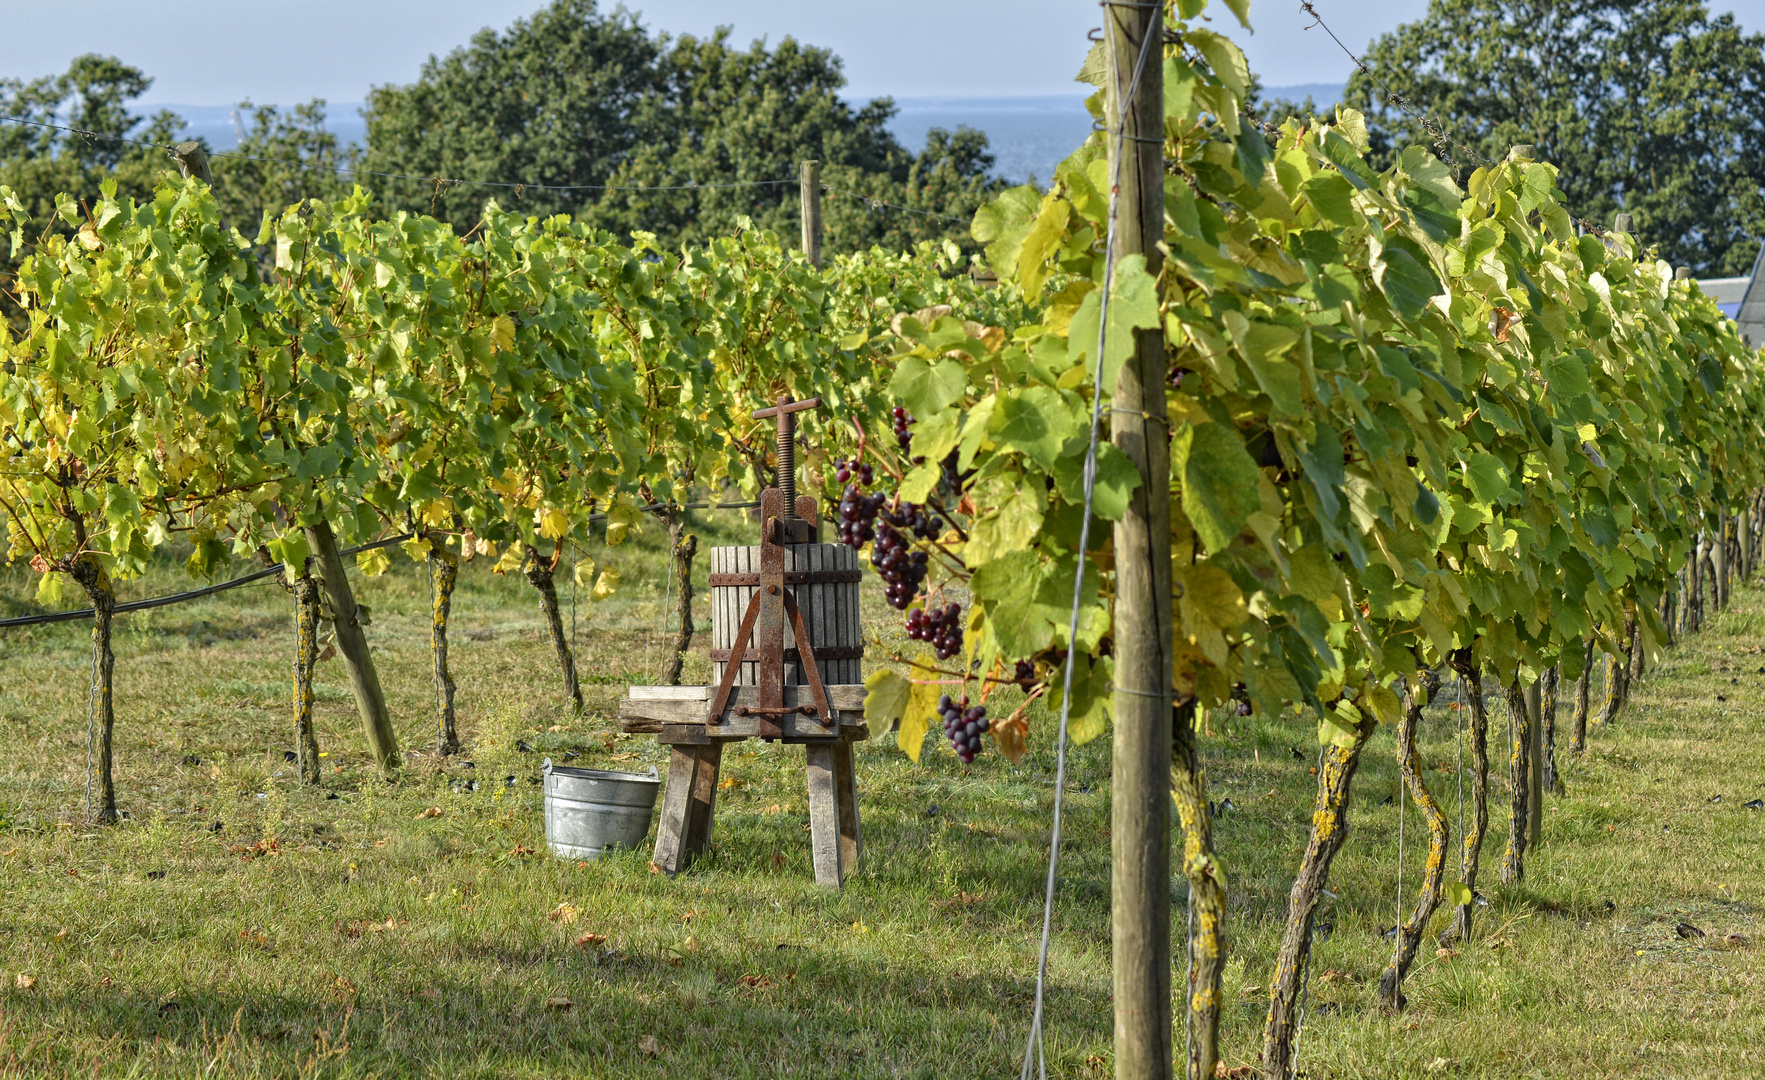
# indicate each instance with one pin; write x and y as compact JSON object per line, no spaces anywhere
{"x":571,"y":97}
{"x":1653,"y":107}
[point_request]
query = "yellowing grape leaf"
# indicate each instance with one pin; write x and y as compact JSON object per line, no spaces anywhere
{"x":584,"y":572}
{"x":374,"y":562}
{"x":885,"y":700}
{"x":922,"y":707}
{"x":553,"y":524}
{"x":606,"y":584}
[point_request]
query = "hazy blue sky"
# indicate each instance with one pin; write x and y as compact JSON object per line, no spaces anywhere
{"x":283,"y":51}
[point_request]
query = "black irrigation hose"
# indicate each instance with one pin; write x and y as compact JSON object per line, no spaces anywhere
{"x":197,"y":594}
{"x":179,"y":598}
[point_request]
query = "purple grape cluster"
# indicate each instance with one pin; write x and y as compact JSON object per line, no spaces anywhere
{"x":845,"y":470}
{"x":858,"y":513}
{"x":903,"y":420}
{"x":902,"y":570}
{"x":941,"y":627}
{"x":1025,"y":674}
{"x":964,"y":724}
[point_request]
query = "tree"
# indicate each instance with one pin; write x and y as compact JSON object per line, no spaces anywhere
{"x":586,"y":106}
{"x":1650,"y":107}
{"x":285,"y":157}
{"x":40,"y":163}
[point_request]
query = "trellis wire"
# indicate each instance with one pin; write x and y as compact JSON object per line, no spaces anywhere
{"x":1432,"y":126}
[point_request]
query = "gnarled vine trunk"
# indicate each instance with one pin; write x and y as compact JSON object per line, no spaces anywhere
{"x":1409,"y":764}
{"x":539,"y":575}
{"x":1471,"y":844}
{"x":1207,"y":895}
{"x":306,"y":658}
{"x":1547,"y":715}
{"x":444,"y":571}
{"x":1618,"y":672}
{"x":102,"y":715}
{"x":1578,"y":722}
{"x":684,"y":546}
{"x":1329,"y":830}
{"x":1513,"y":862}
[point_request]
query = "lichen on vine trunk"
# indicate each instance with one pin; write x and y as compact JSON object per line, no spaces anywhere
{"x":1409,"y":764}
{"x":306,"y":658}
{"x":1471,"y":844}
{"x":684,"y":547}
{"x":1207,"y":895}
{"x":444,"y":570}
{"x":91,"y":576}
{"x":539,"y":575}
{"x":1328,"y":831}
{"x":1520,"y":719}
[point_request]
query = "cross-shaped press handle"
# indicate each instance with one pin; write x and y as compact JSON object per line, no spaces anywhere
{"x":785,"y":411}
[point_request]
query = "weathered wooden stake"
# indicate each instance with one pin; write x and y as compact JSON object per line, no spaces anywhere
{"x":352,"y":645}
{"x":811,"y":181}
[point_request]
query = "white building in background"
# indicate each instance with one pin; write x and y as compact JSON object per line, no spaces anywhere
{"x":1741,"y":299}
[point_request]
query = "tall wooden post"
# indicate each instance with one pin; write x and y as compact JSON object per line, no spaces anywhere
{"x":811,"y":180}
{"x":352,"y":645}
{"x":1140,"y":823}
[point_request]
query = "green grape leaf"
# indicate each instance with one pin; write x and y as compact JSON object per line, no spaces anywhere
{"x":1221,"y":484}
{"x":925,"y":388}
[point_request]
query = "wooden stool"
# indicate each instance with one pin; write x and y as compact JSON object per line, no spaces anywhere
{"x":787,"y":649}
{"x":675,"y":715}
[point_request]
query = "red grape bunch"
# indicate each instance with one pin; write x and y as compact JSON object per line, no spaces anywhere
{"x":940,"y":627}
{"x":857,"y":510}
{"x":902,"y":570}
{"x":903,"y":419}
{"x":964,"y":724}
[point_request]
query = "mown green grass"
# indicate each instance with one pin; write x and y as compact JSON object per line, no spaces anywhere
{"x":371,"y":941}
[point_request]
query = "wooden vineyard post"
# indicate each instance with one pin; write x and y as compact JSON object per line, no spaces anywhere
{"x":1140,"y":823}
{"x":811,"y":181}
{"x":352,"y":644}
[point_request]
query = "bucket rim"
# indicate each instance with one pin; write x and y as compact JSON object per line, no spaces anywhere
{"x":574,"y":773}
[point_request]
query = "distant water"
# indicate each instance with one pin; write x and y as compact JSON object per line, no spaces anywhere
{"x":1027,"y":136}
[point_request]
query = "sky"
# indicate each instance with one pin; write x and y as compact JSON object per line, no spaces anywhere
{"x":285,"y":51}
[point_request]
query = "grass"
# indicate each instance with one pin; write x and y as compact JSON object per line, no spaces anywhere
{"x":334,"y":932}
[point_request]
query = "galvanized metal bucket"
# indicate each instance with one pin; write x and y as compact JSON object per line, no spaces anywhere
{"x":588,"y":811}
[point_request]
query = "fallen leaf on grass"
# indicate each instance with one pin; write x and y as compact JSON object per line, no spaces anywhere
{"x":565,"y":913}
{"x":591,"y":938}
{"x":691,"y":914}
{"x":343,"y":987}
{"x":25,"y":982}
{"x":558,"y":1002}
{"x":773,"y":809}
{"x":519,"y":850}
{"x":433,"y":811}
{"x":621,"y":757}
{"x":756,"y":982}
{"x":1447,"y":954}
{"x":648,"y":1046}
{"x":654,"y":869}
{"x":1441,"y":1064}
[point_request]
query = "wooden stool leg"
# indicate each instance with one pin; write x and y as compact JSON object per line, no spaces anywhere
{"x":824,"y":813}
{"x":704,"y":800}
{"x":671,"y":852}
{"x":846,"y":792}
